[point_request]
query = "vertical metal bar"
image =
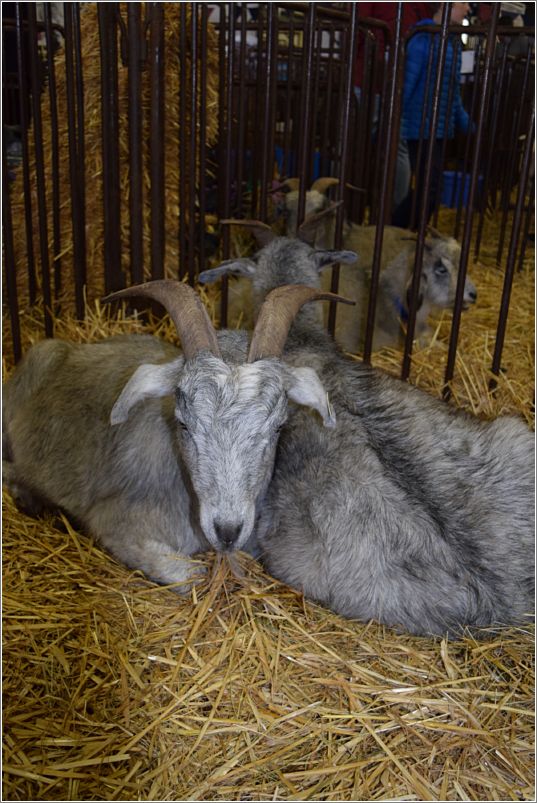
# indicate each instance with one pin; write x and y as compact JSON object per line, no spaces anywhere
{"x":465,"y":246}
{"x":40,"y":170}
{"x":242,"y":121}
{"x":80,"y":148}
{"x":24,"y":94}
{"x":76,"y":164}
{"x":226,"y":133}
{"x":55,"y":158}
{"x":378,"y":157}
{"x":453,"y":80}
{"x":392,"y":135}
{"x":136,"y":199}
{"x":268,"y":110}
{"x":318,"y":105}
{"x":183,"y":61}
{"x":411,"y":323}
{"x":511,"y":160}
{"x":466,"y":159}
{"x":492,"y":127}
{"x":192,"y":149}
{"x":113,"y":275}
{"x":156,"y":139}
{"x":10,"y":270}
{"x":342,"y":148}
{"x":421,"y":145}
{"x":506,"y":123}
{"x":305,"y":132}
{"x":202,"y":132}
{"x":259,"y":93}
{"x":529,"y":217}
{"x":510,"y":266}
{"x":289,"y":126}
{"x":221,"y":105}
{"x":365,"y":112}
{"x":328,"y":115}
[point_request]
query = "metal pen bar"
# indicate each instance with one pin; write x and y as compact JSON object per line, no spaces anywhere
{"x":392,"y":135}
{"x":81,"y":255}
{"x":268,"y":109}
{"x":24,"y":95}
{"x":10,"y":268}
{"x":135,"y":58}
{"x":510,"y":265}
{"x":342,"y":148}
{"x":55,"y":158}
{"x":423,"y":122}
{"x":306,"y":107}
{"x":511,"y":162}
{"x":433,"y":124}
{"x":465,"y":246}
{"x":202,"y":133}
{"x":77,"y":207}
{"x":227,"y":136}
{"x":36,"y":87}
{"x":156,"y":139}
{"x":113,"y":275}
{"x":492,"y":127}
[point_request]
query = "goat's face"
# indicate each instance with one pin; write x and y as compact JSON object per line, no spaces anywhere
{"x":228,"y":422}
{"x":439,"y":275}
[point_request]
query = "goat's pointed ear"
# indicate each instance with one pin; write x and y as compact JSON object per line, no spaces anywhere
{"x":305,"y":387}
{"x":325,"y":258}
{"x":148,"y":381}
{"x":231,"y":267}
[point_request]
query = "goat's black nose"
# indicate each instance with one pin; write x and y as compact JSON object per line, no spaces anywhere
{"x":473,"y":295}
{"x":226,"y":533}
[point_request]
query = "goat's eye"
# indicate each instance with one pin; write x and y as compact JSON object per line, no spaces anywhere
{"x":440,"y":269}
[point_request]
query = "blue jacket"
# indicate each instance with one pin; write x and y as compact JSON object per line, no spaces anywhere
{"x":416,"y":61}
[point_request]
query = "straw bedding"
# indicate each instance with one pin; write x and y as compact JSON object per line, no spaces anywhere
{"x":115,"y":688}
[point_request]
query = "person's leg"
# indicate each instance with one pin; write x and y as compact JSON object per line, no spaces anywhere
{"x":401,"y":213}
{"x":403,"y":174}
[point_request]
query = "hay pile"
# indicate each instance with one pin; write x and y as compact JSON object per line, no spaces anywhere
{"x":93,"y":154}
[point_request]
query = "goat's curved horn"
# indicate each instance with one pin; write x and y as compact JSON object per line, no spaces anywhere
{"x":278,"y":313}
{"x":434,"y":233}
{"x":306,"y":230}
{"x":261,"y":231}
{"x":324,"y":183}
{"x":292,"y":183}
{"x":185,"y":309}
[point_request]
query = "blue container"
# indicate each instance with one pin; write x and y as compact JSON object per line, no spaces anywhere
{"x":454,"y":184}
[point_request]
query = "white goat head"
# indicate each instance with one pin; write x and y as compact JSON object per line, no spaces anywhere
{"x":228,"y":415}
{"x":438,"y":279}
{"x":440,"y":271}
{"x":316,"y":200}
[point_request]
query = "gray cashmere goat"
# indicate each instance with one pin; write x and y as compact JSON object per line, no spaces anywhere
{"x":409,"y":511}
{"x":156,"y":453}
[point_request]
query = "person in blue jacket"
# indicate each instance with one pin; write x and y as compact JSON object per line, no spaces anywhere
{"x":415,"y":79}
